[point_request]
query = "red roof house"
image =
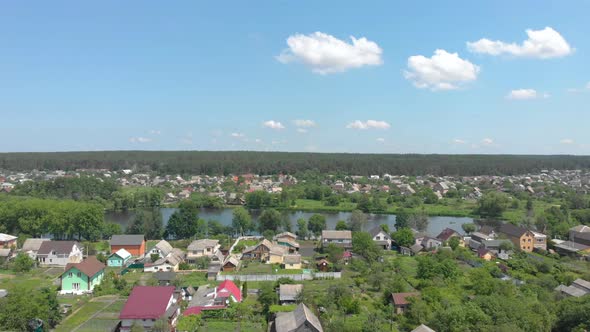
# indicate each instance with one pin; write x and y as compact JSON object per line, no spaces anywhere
{"x":400,"y":301}
{"x":228,"y":289}
{"x":147,"y":304}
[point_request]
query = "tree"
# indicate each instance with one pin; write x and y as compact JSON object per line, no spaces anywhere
{"x":357,"y":220}
{"x":23,"y":263}
{"x":364,"y":204}
{"x":468,"y":228}
{"x":109,"y":229}
{"x":241,"y":221}
{"x":190,"y":323}
{"x":184,"y":223}
{"x":572,"y":314}
{"x":161,"y":325}
{"x":267,"y":296}
{"x":402,"y":219}
{"x":136,"y":327}
{"x":270,"y":219}
{"x":302,"y":228}
{"x":215,"y":227}
{"x":454,"y":242}
{"x":334,"y":252}
{"x":493,"y":204}
{"x":25,"y":304}
{"x":333,"y":201}
{"x":245,"y":290}
{"x":362,"y":244}
{"x":341,"y":225}
{"x":404,"y":237}
{"x":418,"y":221}
{"x":147,"y":222}
{"x":317,"y":223}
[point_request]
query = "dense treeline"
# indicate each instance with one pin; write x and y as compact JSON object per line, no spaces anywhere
{"x":83,"y":188}
{"x":226,"y":162}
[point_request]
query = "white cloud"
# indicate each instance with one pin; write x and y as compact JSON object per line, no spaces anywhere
{"x":326,"y":54}
{"x":272,"y":124}
{"x":369,"y":124}
{"x":567,"y":141}
{"x":258,"y":140}
{"x":155,"y":132}
{"x":459,"y":141}
{"x":237,"y":135}
{"x":588,"y":85}
{"x":380,"y":140}
{"x":301,"y":130}
{"x":542,"y":44}
{"x":487,"y":141}
{"x":442,"y":71}
{"x":305,"y":123}
{"x":524,"y":94}
{"x":140,"y":139}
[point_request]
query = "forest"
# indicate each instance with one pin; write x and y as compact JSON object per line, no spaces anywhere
{"x":237,"y":162}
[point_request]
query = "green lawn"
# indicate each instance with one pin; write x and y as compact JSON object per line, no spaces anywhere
{"x":224,"y":326}
{"x":107,"y":316}
{"x":194,"y":279}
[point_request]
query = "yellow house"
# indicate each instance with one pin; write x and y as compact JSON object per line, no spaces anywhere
{"x":292,"y":262}
{"x":521,"y":238}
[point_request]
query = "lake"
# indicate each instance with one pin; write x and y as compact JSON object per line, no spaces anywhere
{"x":224,"y":216}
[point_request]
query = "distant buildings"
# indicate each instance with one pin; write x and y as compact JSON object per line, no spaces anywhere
{"x":7,"y":241}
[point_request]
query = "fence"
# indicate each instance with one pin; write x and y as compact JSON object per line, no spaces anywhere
{"x":275,"y":277}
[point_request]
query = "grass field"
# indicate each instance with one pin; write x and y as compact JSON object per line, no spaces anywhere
{"x":99,"y":314}
{"x":224,"y":326}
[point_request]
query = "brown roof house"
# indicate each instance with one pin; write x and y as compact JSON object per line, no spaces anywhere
{"x":299,"y":320}
{"x":81,"y":278}
{"x":381,"y":238}
{"x":341,"y":239}
{"x":59,"y":253}
{"x":522,"y":238}
{"x":400,"y":301}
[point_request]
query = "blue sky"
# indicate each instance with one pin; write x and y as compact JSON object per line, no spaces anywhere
{"x":191,"y":75}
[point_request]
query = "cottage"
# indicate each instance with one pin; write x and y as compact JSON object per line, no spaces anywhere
{"x":81,"y":278}
{"x":400,"y":301}
{"x":429,"y":243}
{"x":341,"y":239}
{"x":134,"y":244}
{"x":580,"y":234}
{"x":520,"y":237}
{"x":7,"y":241}
{"x":423,"y":328}
{"x":213,"y":271}
{"x":300,"y":320}
{"x":484,"y":254}
{"x":288,"y":293}
{"x":292,"y":262}
{"x":119,"y":258}
{"x":162,"y":249}
{"x":202,"y":248}
{"x":5,"y":254}
{"x":31,"y":247}
{"x":285,"y":235}
{"x":381,"y":238}
{"x":146,"y":304}
{"x":288,"y":242}
{"x":168,"y":263}
{"x":59,"y":253}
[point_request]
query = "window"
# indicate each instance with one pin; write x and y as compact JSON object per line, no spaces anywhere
{"x":76,"y":286}
{"x":70,"y":275}
{"x":79,"y":274}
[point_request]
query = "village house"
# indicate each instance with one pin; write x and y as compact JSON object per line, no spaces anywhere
{"x":202,"y":248}
{"x":292,"y":262}
{"x":400,"y":301}
{"x":323,"y":265}
{"x":162,"y":249}
{"x":287,"y":239}
{"x":288,"y":293}
{"x":168,"y":263}
{"x":119,"y":258}
{"x":81,"y":278}
{"x":485,"y":254}
{"x":31,"y":247}
{"x":520,"y":237}
{"x":59,"y":253}
{"x":341,"y":239}
{"x":449,"y":233}
{"x":580,"y":234}
{"x":146,"y":304}
{"x":423,"y":328}
{"x":266,"y":252}
{"x":299,"y":320}
{"x":231,"y":264}
{"x":429,"y":243}
{"x":165,"y":278}
{"x":381,"y":238}
{"x":579,"y":287}
{"x":227,"y":292}
{"x":7,"y":241}
{"x":133,"y":243}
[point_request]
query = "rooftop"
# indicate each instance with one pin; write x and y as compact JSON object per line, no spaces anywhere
{"x":127,"y":240}
{"x":90,"y":266}
{"x":147,"y":302}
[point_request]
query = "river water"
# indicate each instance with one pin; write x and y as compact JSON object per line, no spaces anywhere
{"x":224,"y":216}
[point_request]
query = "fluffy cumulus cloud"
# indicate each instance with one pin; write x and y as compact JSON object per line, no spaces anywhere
{"x":543,"y":44}
{"x":442,"y":71}
{"x":140,"y":139}
{"x":305,"y":123}
{"x":326,"y":54}
{"x":369,"y":124}
{"x":272,"y":124}
{"x":567,"y":141}
{"x":524,"y":94}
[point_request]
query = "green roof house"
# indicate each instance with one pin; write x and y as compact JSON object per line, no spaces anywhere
{"x":80,"y":278}
{"x":119,"y":258}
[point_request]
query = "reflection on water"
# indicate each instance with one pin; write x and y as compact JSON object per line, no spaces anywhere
{"x":224,"y":216}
